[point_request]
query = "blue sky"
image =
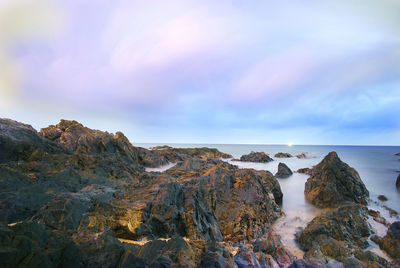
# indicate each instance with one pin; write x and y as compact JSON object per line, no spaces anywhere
{"x":267,"y":72}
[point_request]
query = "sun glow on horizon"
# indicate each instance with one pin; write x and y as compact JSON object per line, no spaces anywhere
{"x":290,"y":144}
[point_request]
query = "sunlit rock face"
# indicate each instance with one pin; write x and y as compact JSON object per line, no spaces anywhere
{"x":333,"y":182}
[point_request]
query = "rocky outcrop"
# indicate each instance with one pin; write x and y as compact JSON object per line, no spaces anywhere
{"x":71,"y":196}
{"x":398,"y":182}
{"x":334,"y":182}
{"x":259,"y":157}
{"x":283,"y":171}
{"x":308,"y":171}
{"x":283,"y":155}
{"x":302,"y":156}
{"x":21,"y":142}
{"x":390,"y":243}
{"x":340,"y":237}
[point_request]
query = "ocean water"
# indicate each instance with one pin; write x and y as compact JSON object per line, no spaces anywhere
{"x":377,"y":165}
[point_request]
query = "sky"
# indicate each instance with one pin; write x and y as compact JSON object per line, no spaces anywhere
{"x":259,"y":72}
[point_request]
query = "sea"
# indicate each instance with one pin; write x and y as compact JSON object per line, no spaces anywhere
{"x":378,"y":167}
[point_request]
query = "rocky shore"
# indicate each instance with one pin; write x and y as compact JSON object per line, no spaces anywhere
{"x":71,"y":196}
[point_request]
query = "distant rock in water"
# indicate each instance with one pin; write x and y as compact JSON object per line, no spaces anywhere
{"x":260,"y":157}
{"x":283,"y":155}
{"x":283,"y":171}
{"x":398,"y":182}
{"x":301,"y":156}
{"x":382,"y":198}
{"x":307,"y":171}
{"x":397,"y":154}
{"x":334,"y":182}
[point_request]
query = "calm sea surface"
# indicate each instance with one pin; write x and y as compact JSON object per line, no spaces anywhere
{"x":377,"y":166}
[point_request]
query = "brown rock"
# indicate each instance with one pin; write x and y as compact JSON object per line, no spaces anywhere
{"x":260,"y":157}
{"x":283,"y":171}
{"x":283,"y":155}
{"x":334,"y":182}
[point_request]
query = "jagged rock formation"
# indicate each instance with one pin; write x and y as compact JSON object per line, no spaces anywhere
{"x":340,"y":237}
{"x":259,"y":157}
{"x":283,"y":171}
{"x":334,"y":182}
{"x":390,"y":243}
{"x":283,"y":155}
{"x":77,"y":197}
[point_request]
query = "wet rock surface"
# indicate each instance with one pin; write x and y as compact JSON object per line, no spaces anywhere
{"x":259,"y":157}
{"x":283,"y":171}
{"x":390,"y":243}
{"x":340,"y":236}
{"x":333,"y":182}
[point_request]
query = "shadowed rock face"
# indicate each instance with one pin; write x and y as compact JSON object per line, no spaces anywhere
{"x":398,"y":182}
{"x":390,"y":243}
{"x":334,"y":182}
{"x":283,"y":171}
{"x":259,"y":157}
{"x":340,"y":236}
{"x":70,"y":193}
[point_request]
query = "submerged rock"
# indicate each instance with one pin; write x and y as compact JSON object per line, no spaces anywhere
{"x":382,"y":198}
{"x":302,"y":156}
{"x":283,"y":155}
{"x":283,"y":171}
{"x":334,"y":182}
{"x":260,"y":157}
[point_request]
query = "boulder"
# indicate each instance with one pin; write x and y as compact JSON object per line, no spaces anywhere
{"x":334,"y":182}
{"x":398,"y":182}
{"x":302,"y":156}
{"x":259,"y":157}
{"x":390,"y":243}
{"x":382,"y":198}
{"x":283,"y":171}
{"x":340,"y":235}
{"x":283,"y":155}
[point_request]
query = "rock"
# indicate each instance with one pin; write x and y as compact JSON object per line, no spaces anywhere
{"x":283,"y":155}
{"x":334,"y":182}
{"x":397,"y":154}
{"x":390,"y":243}
{"x":307,"y":171}
{"x":302,"y":156}
{"x":382,"y":198}
{"x":283,"y":171}
{"x":339,"y":235}
{"x":398,"y":182}
{"x":21,"y":142}
{"x":259,"y":157}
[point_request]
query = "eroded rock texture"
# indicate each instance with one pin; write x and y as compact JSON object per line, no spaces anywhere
{"x":333,"y":182}
{"x":76,"y":197}
{"x":259,"y":157}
